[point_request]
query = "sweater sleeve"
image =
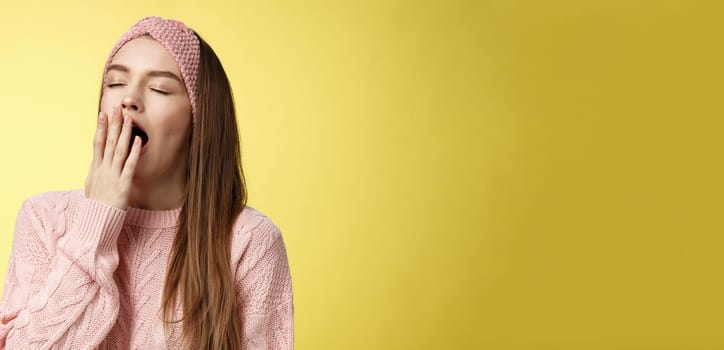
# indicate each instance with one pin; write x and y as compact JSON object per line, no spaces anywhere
{"x":267,"y":308}
{"x":59,"y":291}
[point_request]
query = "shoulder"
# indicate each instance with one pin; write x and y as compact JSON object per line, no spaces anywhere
{"x":51,"y":201}
{"x":60,"y":197}
{"x":254,"y":235}
{"x":42,"y":218}
{"x":48,"y":210}
{"x":255,"y":224}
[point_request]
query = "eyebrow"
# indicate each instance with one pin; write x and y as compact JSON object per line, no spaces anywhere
{"x":151,"y":73}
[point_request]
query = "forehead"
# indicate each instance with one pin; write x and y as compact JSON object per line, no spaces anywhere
{"x":145,"y":53}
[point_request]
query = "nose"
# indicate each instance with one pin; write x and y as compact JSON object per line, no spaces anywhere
{"x":131,"y":103}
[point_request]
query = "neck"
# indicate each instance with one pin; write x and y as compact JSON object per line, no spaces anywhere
{"x":158,"y":194}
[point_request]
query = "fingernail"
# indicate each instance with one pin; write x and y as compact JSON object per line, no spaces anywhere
{"x":100,"y":116}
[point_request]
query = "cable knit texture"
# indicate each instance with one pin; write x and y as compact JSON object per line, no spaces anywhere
{"x":180,"y":42}
{"x":85,"y":275}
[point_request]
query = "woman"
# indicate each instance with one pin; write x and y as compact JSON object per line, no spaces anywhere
{"x":160,"y":249}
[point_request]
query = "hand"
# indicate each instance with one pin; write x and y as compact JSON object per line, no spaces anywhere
{"x":111,"y":172}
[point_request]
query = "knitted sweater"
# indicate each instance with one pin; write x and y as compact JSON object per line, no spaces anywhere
{"x":86,"y":275}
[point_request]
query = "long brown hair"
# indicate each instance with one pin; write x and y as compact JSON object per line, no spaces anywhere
{"x":199,"y":264}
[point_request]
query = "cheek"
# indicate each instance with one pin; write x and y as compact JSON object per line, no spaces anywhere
{"x":104,"y":102}
{"x":109,"y":99}
{"x":172,"y":115}
{"x":174,"y":127}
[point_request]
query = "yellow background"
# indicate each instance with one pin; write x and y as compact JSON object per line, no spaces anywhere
{"x":447,"y":175}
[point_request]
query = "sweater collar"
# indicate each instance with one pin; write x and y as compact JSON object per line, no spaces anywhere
{"x":152,"y":218}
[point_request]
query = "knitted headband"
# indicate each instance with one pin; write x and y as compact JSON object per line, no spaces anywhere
{"x":178,"y":39}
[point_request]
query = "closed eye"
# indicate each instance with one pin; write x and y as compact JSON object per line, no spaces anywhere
{"x":156,"y":90}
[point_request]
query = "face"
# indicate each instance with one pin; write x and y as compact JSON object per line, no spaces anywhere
{"x":145,"y":82}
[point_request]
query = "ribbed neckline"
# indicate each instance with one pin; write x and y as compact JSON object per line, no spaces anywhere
{"x":152,"y":218}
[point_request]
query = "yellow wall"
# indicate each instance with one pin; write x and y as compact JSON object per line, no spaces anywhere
{"x":448,"y":175}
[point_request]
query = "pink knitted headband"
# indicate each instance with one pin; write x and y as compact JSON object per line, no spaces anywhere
{"x":178,"y":39}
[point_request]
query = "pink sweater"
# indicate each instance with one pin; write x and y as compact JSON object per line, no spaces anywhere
{"x":85,"y":275}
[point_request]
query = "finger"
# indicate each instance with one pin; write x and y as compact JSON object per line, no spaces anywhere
{"x":99,"y":141}
{"x":130,"y":168}
{"x":114,"y":126}
{"x":122,"y":146}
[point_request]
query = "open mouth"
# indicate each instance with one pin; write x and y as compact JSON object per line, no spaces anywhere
{"x":136,"y":131}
